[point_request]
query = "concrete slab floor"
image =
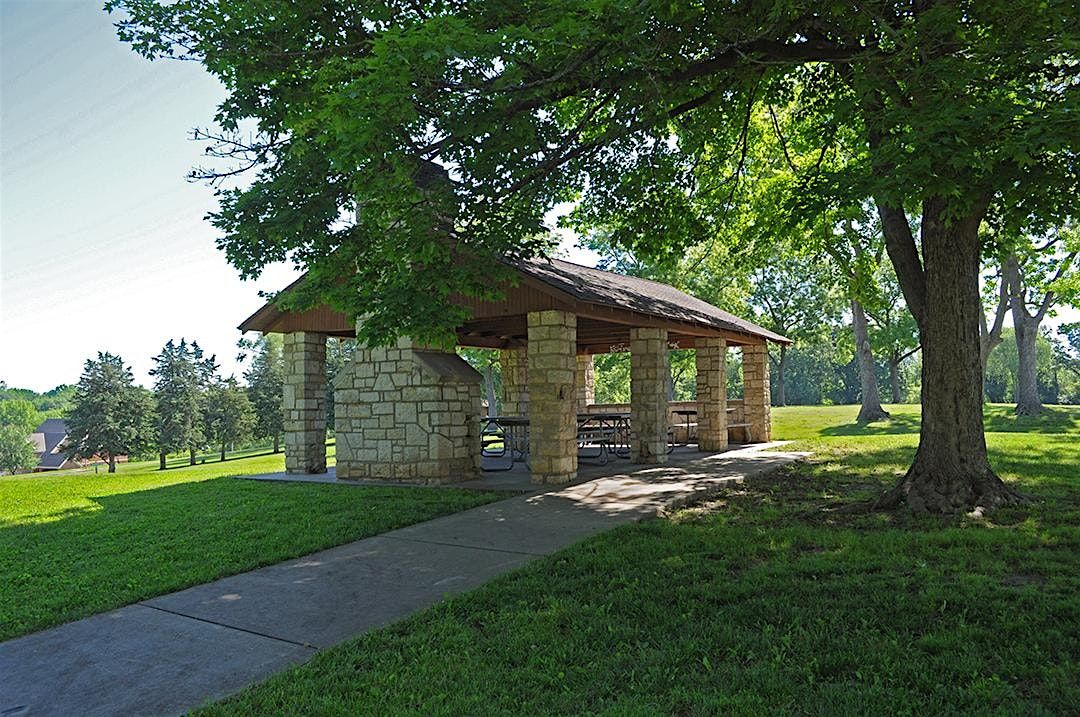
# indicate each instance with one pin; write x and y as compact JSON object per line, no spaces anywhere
{"x":175,"y":652}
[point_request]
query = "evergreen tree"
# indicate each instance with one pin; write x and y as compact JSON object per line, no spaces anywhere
{"x":265,"y":380}
{"x":228,"y":416}
{"x":110,"y":415}
{"x":178,"y":391}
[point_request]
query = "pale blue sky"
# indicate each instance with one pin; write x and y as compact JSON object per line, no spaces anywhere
{"x":103,"y":245}
{"x":102,"y":241}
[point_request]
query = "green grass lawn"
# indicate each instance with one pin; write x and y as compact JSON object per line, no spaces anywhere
{"x":77,"y":543}
{"x":766,"y":600}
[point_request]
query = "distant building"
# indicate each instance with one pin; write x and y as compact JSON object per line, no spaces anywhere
{"x":48,"y":440}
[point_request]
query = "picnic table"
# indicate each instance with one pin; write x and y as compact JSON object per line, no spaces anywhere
{"x":504,"y":437}
{"x":606,"y":433}
{"x":687,"y":414}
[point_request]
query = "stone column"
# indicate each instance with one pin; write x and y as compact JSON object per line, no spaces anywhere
{"x":585,"y":383}
{"x":756,"y":396}
{"x":711,"y":357}
{"x":552,"y":405}
{"x":515,"y":381}
{"x":649,"y":395}
{"x":304,"y":399}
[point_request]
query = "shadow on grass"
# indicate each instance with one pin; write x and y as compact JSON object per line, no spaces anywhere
{"x":997,"y":419}
{"x":754,"y":603}
{"x":210,"y":458}
{"x":898,"y":424}
{"x":1055,"y":419}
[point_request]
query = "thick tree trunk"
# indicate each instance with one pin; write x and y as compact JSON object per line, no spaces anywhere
{"x":951,"y":471}
{"x":161,"y":461}
{"x":277,"y":444}
{"x":191,"y":454}
{"x":112,"y":464}
{"x":223,"y":451}
{"x":1027,"y":376}
{"x":781,"y":369}
{"x":894,"y":380}
{"x":871,"y":409}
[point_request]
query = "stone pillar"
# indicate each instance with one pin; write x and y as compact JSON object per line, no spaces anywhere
{"x":585,"y":383}
{"x":649,"y":395}
{"x":711,"y":357}
{"x":552,"y":405}
{"x":756,"y":396}
{"x":304,"y":401}
{"x":515,"y":381}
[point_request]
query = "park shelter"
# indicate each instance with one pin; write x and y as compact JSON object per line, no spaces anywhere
{"x":412,"y":413}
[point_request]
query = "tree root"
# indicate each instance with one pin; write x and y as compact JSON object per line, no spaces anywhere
{"x":869,"y":416}
{"x":937,"y":495}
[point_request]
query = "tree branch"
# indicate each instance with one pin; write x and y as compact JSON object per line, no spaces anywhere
{"x":904,"y":253}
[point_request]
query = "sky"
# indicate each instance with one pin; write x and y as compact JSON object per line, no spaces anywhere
{"x":103,"y":242}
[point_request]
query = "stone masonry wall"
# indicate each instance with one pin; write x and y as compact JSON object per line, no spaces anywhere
{"x":407,"y":414}
{"x":514,"y":364}
{"x":711,"y":357}
{"x":649,"y":395}
{"x":585,"y":383}
{"x":756,"y":396}
{"x":552,"y":404}
{"x":304,"y":401}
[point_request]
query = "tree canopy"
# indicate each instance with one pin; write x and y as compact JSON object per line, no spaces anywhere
{"x":110,"y":416}
{"x":180,"y":374}
{"x":401,"y":152}
{"x":265,"y":378}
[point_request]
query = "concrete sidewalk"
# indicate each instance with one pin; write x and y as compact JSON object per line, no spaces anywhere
{"x":172,"y":653}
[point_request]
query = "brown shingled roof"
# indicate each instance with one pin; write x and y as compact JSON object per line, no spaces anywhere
{"x":633,"y":293}
{"x":573,"y":283}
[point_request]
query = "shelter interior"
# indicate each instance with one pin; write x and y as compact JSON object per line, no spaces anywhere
{"x":414,"y":413}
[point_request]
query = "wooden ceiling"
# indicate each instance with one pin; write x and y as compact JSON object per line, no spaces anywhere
{"x":595,"y":336}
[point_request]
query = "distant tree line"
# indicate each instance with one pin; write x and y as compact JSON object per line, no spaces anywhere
{"x":855,"y":341}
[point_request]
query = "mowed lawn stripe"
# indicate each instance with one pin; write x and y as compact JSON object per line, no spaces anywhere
{"x":765,"y":601}
{"x":78,"y":544}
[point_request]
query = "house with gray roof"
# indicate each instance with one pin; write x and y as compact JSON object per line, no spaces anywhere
{"x":48,"y":440}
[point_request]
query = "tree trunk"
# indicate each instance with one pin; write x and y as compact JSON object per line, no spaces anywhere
{"x":894,"y":380}
{"x":990,"y":335}
{"x":277,"y":444}
{"x":112,"y":464}
{"x":1026,"y":327}
{"x":951,"y":471}
{"x":192,"y":456}
{"x":1027,"y":376}
{"x":223,"y":451}
{"x":871,"y":409}
{"x":781,"y":368}
{"x":161,"y":461}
